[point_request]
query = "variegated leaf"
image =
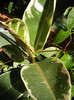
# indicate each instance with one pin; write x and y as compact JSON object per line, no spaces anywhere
{"x":49,"y":52}
{"x":20,"y":28}
{"x":9,"y":47}
{"x":47,"y":80}
{"x":18,"y":39}
{"x":38,"y":18}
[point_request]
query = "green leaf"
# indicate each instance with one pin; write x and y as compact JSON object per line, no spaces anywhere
{"x":11,"y":85}
{"x":10,"y":6}
{"x":16,"y":64}
{"x":5,"y":68}
{"x":4,"y":42}
{"x":47,"y":80}
{"x":72,"y":92}
{"x":20,"y":28}
{"x":50,"y":51}
{"x":13,"y":51}
{"x":38,"y":18}
{"x":61,"y":36}
{"x":60,"y":23}
{"x":18,"y":39}
{"x":67,"y":60}
{"x":70,"y":20}
{"x":67,"y":11}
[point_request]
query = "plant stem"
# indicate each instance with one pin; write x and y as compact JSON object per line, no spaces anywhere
{"x":68,"y":44}
{"x":6,"y":62}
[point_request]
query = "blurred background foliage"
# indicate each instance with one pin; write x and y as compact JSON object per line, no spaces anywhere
{"x":15,"y":8}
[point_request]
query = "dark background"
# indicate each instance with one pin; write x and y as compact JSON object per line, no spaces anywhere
{"x":60,"y":7}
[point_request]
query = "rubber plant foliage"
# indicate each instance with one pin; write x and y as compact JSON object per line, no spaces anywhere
{"x":47,"y":79}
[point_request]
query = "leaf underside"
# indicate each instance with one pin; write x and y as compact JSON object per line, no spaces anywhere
{"x":12,"y":50}
{"x":20,"y":28}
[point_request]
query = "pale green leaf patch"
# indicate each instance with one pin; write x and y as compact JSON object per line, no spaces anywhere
{"x":50,"y":51}
{"x":20,"y":28}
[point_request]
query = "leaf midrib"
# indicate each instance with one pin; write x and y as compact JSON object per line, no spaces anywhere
{"x":42,"y":27}
{"x":45,"y":80}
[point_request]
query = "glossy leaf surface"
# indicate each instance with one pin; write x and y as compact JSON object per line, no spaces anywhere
{"x":38,"y":18}
{"x":11,"y":87}
{"x":47,"y":80}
